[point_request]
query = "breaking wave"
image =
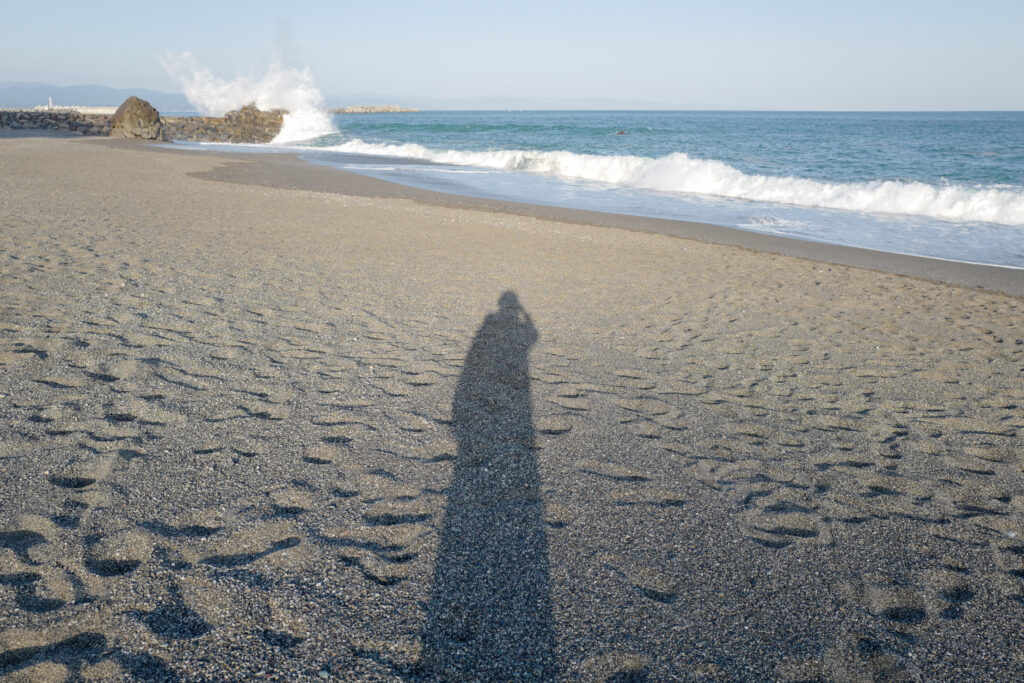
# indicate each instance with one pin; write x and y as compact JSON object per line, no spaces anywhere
{"x":281,"y":87}
{"x":678,"y":172}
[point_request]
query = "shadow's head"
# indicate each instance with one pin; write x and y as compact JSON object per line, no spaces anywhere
{"x":509,"y":301}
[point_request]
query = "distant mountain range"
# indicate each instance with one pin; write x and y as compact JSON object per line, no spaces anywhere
{"x":35,"y":94}
{"x":504,"y":103}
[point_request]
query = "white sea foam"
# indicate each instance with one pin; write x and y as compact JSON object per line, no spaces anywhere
{"x":771,"y":222}
{"x":280,"y":88}
{"x":680,"y":173}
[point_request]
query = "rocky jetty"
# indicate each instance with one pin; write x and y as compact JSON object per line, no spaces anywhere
{"x":247,"y":124}
{"x":55,"y":119}
{"x":137,"y":118}
{"x":372,"y":109}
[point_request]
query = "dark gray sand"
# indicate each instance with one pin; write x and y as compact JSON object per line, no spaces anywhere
{"x":254,"y":427}
{"x":289,"y":171}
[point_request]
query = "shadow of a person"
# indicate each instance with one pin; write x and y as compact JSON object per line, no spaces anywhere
{"x":489,"y":615}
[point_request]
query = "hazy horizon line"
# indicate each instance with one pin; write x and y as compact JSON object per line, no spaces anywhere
{"x":514,"y":102}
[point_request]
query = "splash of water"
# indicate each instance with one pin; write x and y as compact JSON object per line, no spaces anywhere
{"x":281,"y":87}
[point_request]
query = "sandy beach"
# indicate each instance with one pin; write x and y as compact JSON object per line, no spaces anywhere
{"x":264,"y":419}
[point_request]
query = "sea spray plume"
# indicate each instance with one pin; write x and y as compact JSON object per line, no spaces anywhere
{"x":210,"y":95}
{"x":678,"y":172}
{"x":281,"y":87}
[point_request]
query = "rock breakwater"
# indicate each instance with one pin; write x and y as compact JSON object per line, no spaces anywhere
{"x":246,"y":125}
{"x":55,"y":119}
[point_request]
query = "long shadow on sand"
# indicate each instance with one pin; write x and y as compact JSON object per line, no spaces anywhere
{"x":489,"y":614}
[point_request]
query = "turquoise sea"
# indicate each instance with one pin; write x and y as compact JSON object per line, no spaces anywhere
{"x":947,"y":185}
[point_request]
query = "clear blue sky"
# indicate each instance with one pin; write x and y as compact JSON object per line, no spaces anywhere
{"x":869,"y":54}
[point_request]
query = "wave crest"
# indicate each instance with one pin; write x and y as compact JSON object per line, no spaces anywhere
{"x":679,"y":173}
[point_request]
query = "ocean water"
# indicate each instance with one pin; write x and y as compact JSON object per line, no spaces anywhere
{"x":946,"y":185}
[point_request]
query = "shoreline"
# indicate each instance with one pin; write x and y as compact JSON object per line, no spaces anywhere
{"x":290,"y":170}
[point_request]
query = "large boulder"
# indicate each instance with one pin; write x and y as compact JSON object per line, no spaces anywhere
{"x":137,"y":118}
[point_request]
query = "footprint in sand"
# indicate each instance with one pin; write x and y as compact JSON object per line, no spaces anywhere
{"x":50,"y":654}
{"x":82,"y":472}
{"x":554,"y":425}
{"x":899,"y":605}
{"x":22,"y":540}
{"x":610,"y":470}
{"x":290,"y":500}
{"x":173,"y":619}
{"x":382,"y":553}
{"x":614,"y":666}
{"x":951,"y":591}
{"x":248,"y":546}
{"x":119,"y":553}
{"x":321,"y":454}
{"x":646,"y":580}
